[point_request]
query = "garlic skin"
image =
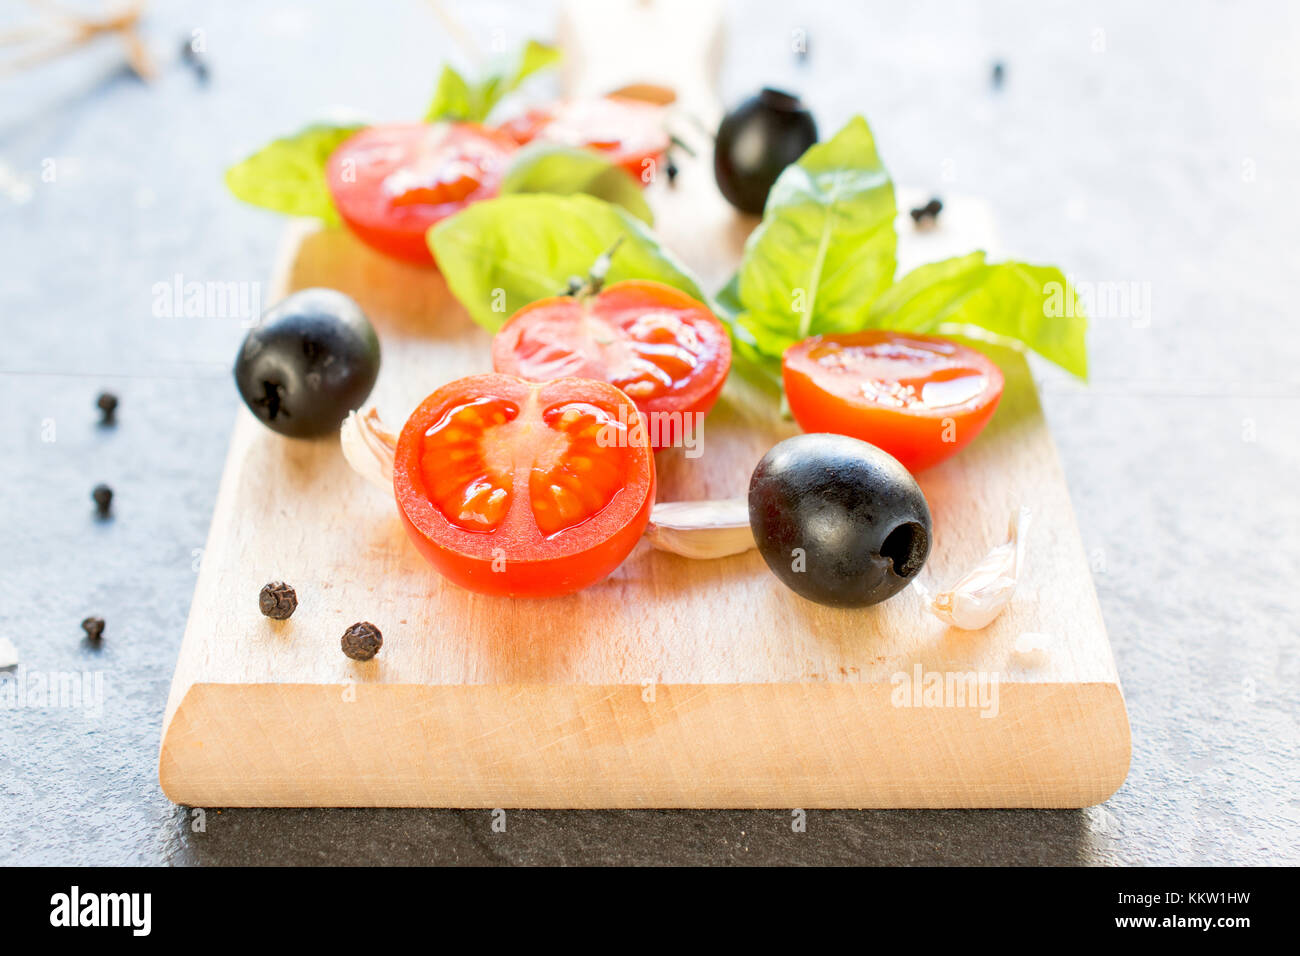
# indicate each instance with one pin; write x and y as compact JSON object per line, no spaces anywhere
{"x":983,"y":593}
{"x":369,"y":447}
{"x":701,"y":529}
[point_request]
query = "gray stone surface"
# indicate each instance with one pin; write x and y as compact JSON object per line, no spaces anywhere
{"x":1154,"y":144}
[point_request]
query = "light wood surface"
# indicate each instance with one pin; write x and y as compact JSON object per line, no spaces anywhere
{"x":673,"y":683}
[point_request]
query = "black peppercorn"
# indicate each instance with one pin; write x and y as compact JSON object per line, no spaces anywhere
{"x":277,"y":601}
{"x":94,"y":628}
{"x":103,"y":496}
{"x":107,"y":403}
{"x":362,"y":641}
{"x":927,"y":214}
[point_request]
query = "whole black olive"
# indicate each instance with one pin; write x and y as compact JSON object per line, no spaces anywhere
{"x":756,"y":140}
{"x":309,"y":361}
{"x":838,"y":520}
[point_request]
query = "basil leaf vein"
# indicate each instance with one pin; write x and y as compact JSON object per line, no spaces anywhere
{"x":826,"y":245}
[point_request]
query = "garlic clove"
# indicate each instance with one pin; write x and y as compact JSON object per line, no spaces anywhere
{"x":976,"y":600}
{"x":369,"y":447}
{"x":701,"y":529}
{"x":8,"y":654}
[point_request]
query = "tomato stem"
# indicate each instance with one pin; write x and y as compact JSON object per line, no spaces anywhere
{"x":595,"y":277}
{"x":681,"y":144}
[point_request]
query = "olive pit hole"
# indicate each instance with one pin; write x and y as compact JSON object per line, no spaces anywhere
{"x":906,"y":547}
{"x":272,"y":400}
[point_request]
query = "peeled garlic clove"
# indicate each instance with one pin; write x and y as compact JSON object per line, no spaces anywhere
{"x":979,"y":597}
{"x":8,"y":653}
{"x":701,"y":529}
{"x":369,"y":447}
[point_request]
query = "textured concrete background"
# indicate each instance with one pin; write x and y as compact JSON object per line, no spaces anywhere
{"x":1155,"y":145}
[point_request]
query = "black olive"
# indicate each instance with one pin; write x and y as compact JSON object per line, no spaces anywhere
{"x":310,"y":360}
{"x":756,"y":140}
{"x":838,"y":520}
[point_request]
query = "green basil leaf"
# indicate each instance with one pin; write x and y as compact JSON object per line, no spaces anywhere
{"x":289,"y":174}
{"x":1009,"y":302}
{"x":823,"y":259}
{"x":564,"y":170}
{"x":727,"y":300}
{"x":457,"y":98}
{"x":826,"y":246}
{"x":533,"y":58}
{"x":453,"y":99}
{"x":745,"y":356}
{"x":501,"y":254}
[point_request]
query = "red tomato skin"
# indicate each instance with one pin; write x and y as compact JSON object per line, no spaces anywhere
{"x":697,"y":400}
{"x":915,"y":437}
{"x":540,"y":579}
{"x":444,"y":546}
{"x":400,"y":231}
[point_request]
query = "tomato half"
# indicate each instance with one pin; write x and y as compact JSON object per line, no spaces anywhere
{"x":629,"y":131}
{"x":658,"y":345}
{"x":521,"y":488}
{"x":921,"y":398}
{"x":391,"y":183}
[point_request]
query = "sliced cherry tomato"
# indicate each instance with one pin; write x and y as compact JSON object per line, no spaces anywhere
{"x":630,"y":131}
{"x":919,"y":397}
{"x":391,"y":183}
{"x":522,"y":488}
{"x":661,"y":347}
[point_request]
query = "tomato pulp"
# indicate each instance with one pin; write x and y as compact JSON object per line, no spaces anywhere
{"x":391,"y":183}
{"x":630,"y":132}
{"x":921,"y":398}
{"x":665,"y":350}
{"x":527,"y":489}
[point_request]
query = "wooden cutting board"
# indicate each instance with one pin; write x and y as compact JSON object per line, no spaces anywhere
{"x":674,"y":683}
